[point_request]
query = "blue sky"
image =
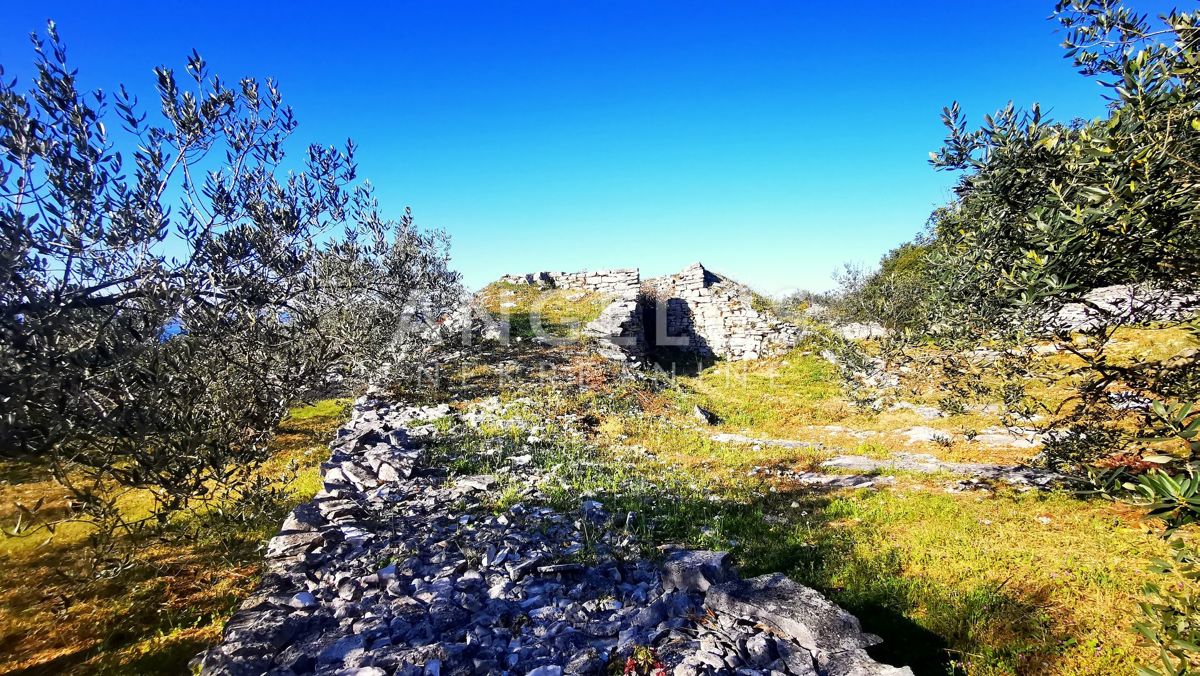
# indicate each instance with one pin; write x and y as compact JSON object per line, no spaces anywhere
{"x":770,"y":140}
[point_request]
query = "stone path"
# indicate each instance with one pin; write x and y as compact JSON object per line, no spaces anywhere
{"x":397,"y":568}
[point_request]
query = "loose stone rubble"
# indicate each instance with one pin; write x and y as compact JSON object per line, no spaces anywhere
{"x":397,"y":568}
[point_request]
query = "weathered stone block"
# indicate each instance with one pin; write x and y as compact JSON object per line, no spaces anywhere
{"x":795,"y":611}
{"x":696,"y":571}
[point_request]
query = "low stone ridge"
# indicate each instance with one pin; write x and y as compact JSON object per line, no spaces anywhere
{"x":821,"y":479}
{"x":868,"y":471}
{"x":397,"y":568}
{"x":735,"y":438}
{"x":1017,"y":475}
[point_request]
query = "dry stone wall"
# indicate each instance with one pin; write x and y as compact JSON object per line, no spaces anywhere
{"x":619,"y":281}
{"x":695,"y":310}
{"x":618,"y":330}
{"x":399,"y":568}
{"x":713,"y":315}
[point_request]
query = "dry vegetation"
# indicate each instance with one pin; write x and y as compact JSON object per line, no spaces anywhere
{"x":982,"y":582}
{"x":170,"y":603}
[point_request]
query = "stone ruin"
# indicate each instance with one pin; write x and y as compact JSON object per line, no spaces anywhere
{"x":618,"y":331}
{"x":696,"y":311}
{"x":715,"y":316}
{"x":397,"y":568}
{"x":618,"y":282}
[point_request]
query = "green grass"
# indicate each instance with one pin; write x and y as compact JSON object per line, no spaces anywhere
{"x":770,"y":396}
{"x":800,"y":396}
{"x":1011,"y":583}
{"x":1153,"y":343}
{"x":975,"y":582}
{"x":1002,"y":583}
{"x":556,"y":312}
{"x":153,"y":617}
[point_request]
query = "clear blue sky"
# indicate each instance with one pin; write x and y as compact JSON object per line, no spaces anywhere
{"x":770,"y":140}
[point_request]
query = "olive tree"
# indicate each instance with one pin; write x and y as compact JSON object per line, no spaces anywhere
{"x":171,"y":281}
{"x":1048,"y":208}
{"x":1045,"y":211}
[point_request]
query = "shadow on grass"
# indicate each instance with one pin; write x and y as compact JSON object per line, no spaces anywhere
{"x":769,"y":535}
{"x":681,"y":362}
{"x":148,"y":619}
{"x":797,"y":532}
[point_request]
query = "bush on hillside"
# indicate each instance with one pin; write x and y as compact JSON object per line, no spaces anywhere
{"x":1046,"y":208}
{"x":894,"y":295}
{"x":1045,"y":211}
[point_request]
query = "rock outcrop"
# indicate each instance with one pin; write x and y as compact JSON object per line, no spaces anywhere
{"x":396,"y":567}
{"x":1123,"y":304}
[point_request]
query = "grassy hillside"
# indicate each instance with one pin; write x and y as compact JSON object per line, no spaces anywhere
{"x":989,"y":581}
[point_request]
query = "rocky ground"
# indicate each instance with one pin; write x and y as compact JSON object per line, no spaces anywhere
{"x":398,"y":567}
{"x":859,"y":471}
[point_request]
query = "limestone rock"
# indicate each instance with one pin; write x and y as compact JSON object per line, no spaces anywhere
{"x":704,"y":415}
{"x":696,"y":571}
{"x":798,"y":612}
{"x":862,"y":331}
{"x":856,"y":663}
